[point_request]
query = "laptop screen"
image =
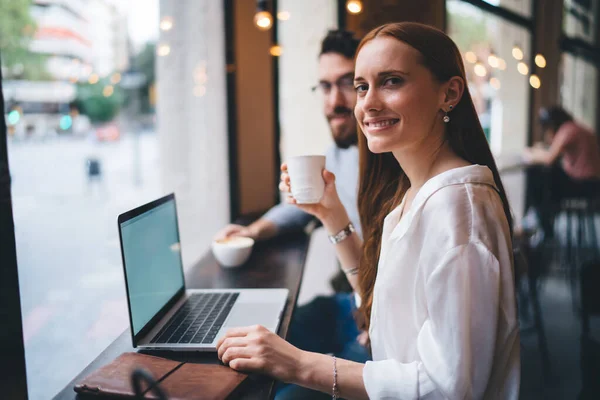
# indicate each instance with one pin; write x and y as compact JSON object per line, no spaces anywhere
{"x":152,"y":257}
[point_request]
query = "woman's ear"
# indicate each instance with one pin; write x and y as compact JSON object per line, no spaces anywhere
{"x":455,"y":88}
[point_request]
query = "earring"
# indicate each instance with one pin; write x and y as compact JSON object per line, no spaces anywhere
{"x":446,"y":118}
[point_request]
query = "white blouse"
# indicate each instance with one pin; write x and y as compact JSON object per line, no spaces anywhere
{"x":443,"y":322}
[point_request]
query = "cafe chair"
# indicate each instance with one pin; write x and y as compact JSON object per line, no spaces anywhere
{"x":581,"y":238}
{"x":528,"y":270}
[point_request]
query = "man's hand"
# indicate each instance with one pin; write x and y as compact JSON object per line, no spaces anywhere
{"x":236,"y":230}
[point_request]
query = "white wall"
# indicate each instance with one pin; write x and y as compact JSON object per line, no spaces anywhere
{"x":304,"y":129}
{"x":192,"y":129}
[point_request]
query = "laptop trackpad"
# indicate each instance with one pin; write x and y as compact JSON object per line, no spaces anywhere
{"x":265,"y":314}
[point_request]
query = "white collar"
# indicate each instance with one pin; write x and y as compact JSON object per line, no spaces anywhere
{"x":471,"y":174}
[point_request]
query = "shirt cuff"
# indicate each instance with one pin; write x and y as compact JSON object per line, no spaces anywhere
{"x":390,"y":379}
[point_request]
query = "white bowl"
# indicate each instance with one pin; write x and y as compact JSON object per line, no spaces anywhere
{"x":232,"y":252}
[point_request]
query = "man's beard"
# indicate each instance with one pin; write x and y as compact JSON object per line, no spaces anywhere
{"x":347,"y":135}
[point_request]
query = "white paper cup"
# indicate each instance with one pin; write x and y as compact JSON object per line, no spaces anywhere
{"x":306,"y":178}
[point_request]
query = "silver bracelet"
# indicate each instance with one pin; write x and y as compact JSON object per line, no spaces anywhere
{"x":343,"y":234}
{"x":334,"y":391}
{"x":351,"y":271}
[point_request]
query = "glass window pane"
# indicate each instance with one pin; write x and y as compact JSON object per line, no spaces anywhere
{"x":522,"y":7}
{"x":578,"y":92}
{"x":499,"y":83}
{"x":579,"y":19}
{"x":86,"y":144}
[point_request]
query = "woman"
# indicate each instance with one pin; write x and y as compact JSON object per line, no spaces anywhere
{"x":566,"y":165}
{"x":577,"y":145}
{"x":435,"y":271}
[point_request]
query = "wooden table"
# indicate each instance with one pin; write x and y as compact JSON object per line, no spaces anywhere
{"x":277,"y":263}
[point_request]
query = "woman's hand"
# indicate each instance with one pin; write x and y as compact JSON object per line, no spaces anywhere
{"x":256,"y":349}
{"x":330,"y":210}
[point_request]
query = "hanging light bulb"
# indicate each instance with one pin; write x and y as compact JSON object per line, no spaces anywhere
{"x":480,"y":69}
{"x":540,"y":60}
{"x":263,"y":18}
{"x":471,"y":57}
{"x":517,"y":52}
{"x":493,"y":61}
{"x":535,"y":81}
{"x":354,"y":6}
{"x":495,"y":83}
{"x":276,"y":50}
{"x":501,"y":64}
{"x":522,"y":68}
{"x":163,"y":50}
{"x":115,"y":78}
{"x":166,"y":23}
{"x":283,"y":15}
{"x":108,"y":91}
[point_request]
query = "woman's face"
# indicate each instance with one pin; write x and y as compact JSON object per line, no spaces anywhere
{"x":398,"y":99}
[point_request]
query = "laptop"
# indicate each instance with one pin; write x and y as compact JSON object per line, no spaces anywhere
{"x":164,"y":315}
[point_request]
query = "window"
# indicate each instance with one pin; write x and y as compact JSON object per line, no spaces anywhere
{"x":578,"y":92}
{"x":95,"y":131}
{"x":579,"y":19}
{"x":522,"y":7}
{"x":498,"y":82}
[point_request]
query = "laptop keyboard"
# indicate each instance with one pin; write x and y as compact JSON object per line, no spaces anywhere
{"x":198,"y":320}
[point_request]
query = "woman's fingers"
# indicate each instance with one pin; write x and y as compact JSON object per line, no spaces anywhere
{"x":230,"y":342}
{"x":236,"y":332}
{"x":233,"y":353}
{"x":247,"y":364}
{"x":328,"y":177}
{"x":283,"y":187}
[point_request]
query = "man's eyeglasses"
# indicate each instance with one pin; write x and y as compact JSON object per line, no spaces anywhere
{"x":344,"y":84}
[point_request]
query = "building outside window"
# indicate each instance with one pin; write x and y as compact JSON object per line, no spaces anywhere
{"x":94,"y":129}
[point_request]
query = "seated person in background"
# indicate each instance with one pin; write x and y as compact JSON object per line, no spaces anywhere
{"x":326,"y":325}
{"x":576,"y":145}
{"x":435,"y":272}
{"x":570,"y":166}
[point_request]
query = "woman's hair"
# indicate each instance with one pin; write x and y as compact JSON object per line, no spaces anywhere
{"x":383,"y":183}
{"x":553,"y":117}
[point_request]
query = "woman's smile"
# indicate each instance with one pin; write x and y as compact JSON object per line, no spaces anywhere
{"x":376,"y":125}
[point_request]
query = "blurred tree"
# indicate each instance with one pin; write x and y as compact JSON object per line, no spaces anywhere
{"x":17,"y":28}
{"x":468,"y":32}
{"x":144,"y":63}
{"x":96,"y":103}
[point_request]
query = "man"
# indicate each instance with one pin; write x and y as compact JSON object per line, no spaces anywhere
{"x":325,"y":325}
{"x":336,"y":74}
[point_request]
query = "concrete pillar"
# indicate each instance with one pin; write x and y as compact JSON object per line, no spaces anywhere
{"x":304,"y":129}
{"x":191,"y":119}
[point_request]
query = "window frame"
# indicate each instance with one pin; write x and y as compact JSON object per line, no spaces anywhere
{"x":528,"y":23}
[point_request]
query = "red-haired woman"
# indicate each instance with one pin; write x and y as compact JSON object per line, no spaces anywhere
{"x":435,"y":272}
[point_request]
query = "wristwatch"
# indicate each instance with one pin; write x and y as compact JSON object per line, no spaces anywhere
{"x":343,"y":234}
